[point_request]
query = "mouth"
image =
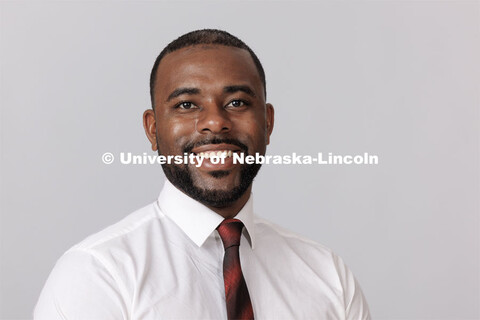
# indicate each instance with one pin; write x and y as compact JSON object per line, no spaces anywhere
{"x":216,"y":150}
{"x":216,"y":156}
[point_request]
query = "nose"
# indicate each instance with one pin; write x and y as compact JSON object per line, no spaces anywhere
{"x":213,"y":119}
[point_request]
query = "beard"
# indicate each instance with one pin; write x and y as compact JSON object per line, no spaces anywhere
{"x":181,"y":177}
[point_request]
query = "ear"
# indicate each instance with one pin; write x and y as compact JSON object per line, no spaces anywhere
{"x":150,"y":127}
{"x":270,"y":113}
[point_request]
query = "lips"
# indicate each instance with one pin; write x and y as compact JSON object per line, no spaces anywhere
{"x":215,"y":143}
{"x":216,"y":146}
{"x":216,"y":150}
{"x":223,"y":151}
{"x":219,"y":154}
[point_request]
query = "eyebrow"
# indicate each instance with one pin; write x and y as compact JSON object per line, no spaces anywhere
{"x":180,"y":91}
{"x":233,"y":89}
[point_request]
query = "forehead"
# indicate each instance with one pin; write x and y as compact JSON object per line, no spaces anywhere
{"x":207,"y":66}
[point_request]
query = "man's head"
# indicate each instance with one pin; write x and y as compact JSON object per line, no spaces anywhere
{"x":208,"y":95}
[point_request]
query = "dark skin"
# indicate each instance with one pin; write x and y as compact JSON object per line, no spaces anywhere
{"x":205,"y":92}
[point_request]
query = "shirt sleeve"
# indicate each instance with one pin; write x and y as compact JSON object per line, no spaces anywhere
{"x":81,"y":287}
{"x":356,"y":307}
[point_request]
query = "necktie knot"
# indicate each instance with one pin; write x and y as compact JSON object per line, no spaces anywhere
{"x":230,"y":231}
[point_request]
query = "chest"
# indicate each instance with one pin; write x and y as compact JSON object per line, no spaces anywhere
{"x":188,"y":284}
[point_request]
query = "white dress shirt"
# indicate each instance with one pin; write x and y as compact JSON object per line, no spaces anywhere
{"x":165,"y":261}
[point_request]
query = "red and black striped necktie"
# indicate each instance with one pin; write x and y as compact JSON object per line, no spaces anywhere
{"x":238,"y":301}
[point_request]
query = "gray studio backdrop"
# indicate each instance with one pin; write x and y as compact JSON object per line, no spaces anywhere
{"x":396,"y":79}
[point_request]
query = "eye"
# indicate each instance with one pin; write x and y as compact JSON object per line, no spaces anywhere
{"x":186,"y":105}
{"x":237,"y":103}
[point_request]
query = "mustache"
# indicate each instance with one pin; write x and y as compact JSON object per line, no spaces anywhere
{"x":215,"y":140}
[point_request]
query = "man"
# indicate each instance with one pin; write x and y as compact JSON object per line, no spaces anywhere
{"x":198,"y":252}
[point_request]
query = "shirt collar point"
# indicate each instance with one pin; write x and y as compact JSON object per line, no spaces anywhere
{"x":196,"y":220}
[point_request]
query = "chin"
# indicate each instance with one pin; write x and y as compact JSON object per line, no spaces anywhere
{"x":216,"y":189}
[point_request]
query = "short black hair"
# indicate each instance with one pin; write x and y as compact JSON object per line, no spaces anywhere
{"x":205,"y":36}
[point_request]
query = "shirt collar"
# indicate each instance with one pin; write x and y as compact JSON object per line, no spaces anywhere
{"x":195,"y":219}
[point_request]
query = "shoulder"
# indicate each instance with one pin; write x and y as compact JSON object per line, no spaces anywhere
{"x":116,"y":250}
{"x":290,"y":243}
{"x":93,"y":269}
{"x":267,"y":231}
{"x":316,"y":262}
{"x":126,"y":228}
{"x":290,"y":249}
{"x":100,"y":251}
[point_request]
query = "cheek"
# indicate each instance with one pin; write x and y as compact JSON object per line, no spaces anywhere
{"x":178,"y":128}
{"x":173,"y":134}
{"x":254,"y":131}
